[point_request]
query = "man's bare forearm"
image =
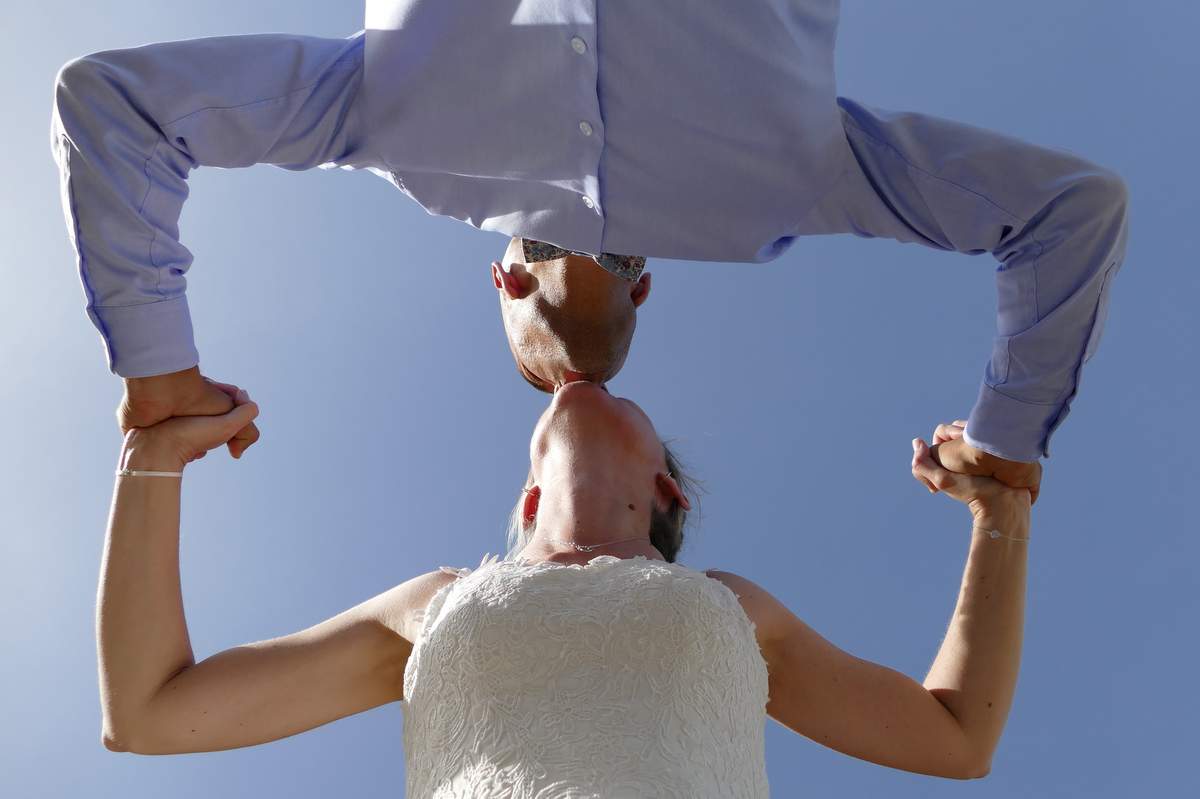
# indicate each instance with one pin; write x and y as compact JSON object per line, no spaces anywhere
{"x":975,"y":672}
{"x":141,"y":633}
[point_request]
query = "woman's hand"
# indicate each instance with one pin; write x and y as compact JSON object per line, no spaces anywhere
{"x":149,"y":400}
{"x":183,"y":439}
{"x":993,"y":504}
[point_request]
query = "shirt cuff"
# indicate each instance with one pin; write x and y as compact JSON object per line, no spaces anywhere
{"x":1009,"y":428}
{"x":154,"y":338}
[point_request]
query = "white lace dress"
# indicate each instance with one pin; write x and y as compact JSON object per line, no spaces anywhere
{"x":619,"y":678}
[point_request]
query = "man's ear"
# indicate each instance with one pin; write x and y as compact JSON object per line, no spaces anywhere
{"x":513,"y":280}
{"x":668,"y":491}
{"x":640,"y":290}
{"x":529,"y":507}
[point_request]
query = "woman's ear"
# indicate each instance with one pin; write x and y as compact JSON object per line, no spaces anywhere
{"x":511,"y":279}
{"x":669,"y":491}
{"x":640,"y":290}
{"x":529,"y":507}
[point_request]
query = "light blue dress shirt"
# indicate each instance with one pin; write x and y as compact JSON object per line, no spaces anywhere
{"x":707,"y":131}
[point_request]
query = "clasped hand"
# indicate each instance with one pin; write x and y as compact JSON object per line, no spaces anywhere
{"x":985,"y":494}
{"x":185,"y":415}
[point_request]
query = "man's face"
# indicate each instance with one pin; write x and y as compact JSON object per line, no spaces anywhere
{"x":566,"y":319}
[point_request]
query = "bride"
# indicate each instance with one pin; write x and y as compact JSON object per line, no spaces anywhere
{"x":588,"y":662}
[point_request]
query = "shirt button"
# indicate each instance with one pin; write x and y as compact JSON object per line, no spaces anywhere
{"x":585,"y":128}
{"x":578,"y":45}
{"x":588,"y":201}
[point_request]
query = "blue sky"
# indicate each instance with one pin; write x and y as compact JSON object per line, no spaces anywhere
{"x":395,"y":429}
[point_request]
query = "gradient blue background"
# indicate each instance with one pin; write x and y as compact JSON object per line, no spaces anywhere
{"x":395,"y":429}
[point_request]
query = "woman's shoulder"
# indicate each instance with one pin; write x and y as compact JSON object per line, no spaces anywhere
{"x":737,"y":583}
{"x":403,"y":606}
{"x":766,"y":612}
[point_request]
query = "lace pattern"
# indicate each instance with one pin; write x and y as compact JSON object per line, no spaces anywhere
{"x":619,"y":678}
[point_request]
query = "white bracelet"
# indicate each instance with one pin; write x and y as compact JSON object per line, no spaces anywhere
{"x":998,"y":534}
{"x":140,"y":473}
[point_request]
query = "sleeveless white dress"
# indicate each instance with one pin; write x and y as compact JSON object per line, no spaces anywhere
{"x":624,"y":677}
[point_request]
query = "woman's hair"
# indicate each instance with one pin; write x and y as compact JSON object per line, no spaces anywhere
{"x":666,"y":527}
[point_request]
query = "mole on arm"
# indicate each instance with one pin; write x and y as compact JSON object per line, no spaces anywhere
{"x":631,"y":506}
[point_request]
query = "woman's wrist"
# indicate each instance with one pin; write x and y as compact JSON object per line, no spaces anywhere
{"x":1007,"y":513}
{"x":144,"y":450}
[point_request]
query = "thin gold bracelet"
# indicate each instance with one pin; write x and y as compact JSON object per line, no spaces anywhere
{"x":997,"y":534}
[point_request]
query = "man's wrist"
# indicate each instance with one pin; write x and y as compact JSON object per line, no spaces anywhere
{"x":156,"y":385}
{"x":146,"y":451}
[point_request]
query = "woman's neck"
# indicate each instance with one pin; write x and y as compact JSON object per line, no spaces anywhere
{"x":600,"y":513}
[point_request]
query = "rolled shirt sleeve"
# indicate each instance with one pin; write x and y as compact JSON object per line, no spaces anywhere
{"x":128,"y":126}
{"x":1056,"y":223}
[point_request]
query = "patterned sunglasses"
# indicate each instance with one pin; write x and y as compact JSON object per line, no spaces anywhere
{"x":628,"y":267}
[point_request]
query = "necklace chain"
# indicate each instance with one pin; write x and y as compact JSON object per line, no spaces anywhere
{"x":590,"y":547}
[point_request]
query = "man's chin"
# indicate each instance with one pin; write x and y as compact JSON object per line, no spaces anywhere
{"x":532,"y":379}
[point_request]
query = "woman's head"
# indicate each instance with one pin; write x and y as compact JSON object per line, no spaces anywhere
{"x":597,"y":461}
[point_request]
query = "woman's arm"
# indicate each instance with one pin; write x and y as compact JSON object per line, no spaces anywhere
{"x":975,"y":672}
{"x":155,"y":697}
{"x":950,"y":725}
{"x":141,"y":634}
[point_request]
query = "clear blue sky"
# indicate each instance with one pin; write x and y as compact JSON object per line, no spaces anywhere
{"x":395,"y":429}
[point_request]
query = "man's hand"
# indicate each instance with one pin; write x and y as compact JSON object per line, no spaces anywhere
{"x":956,"y":455}
{"x":150,"y":400}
